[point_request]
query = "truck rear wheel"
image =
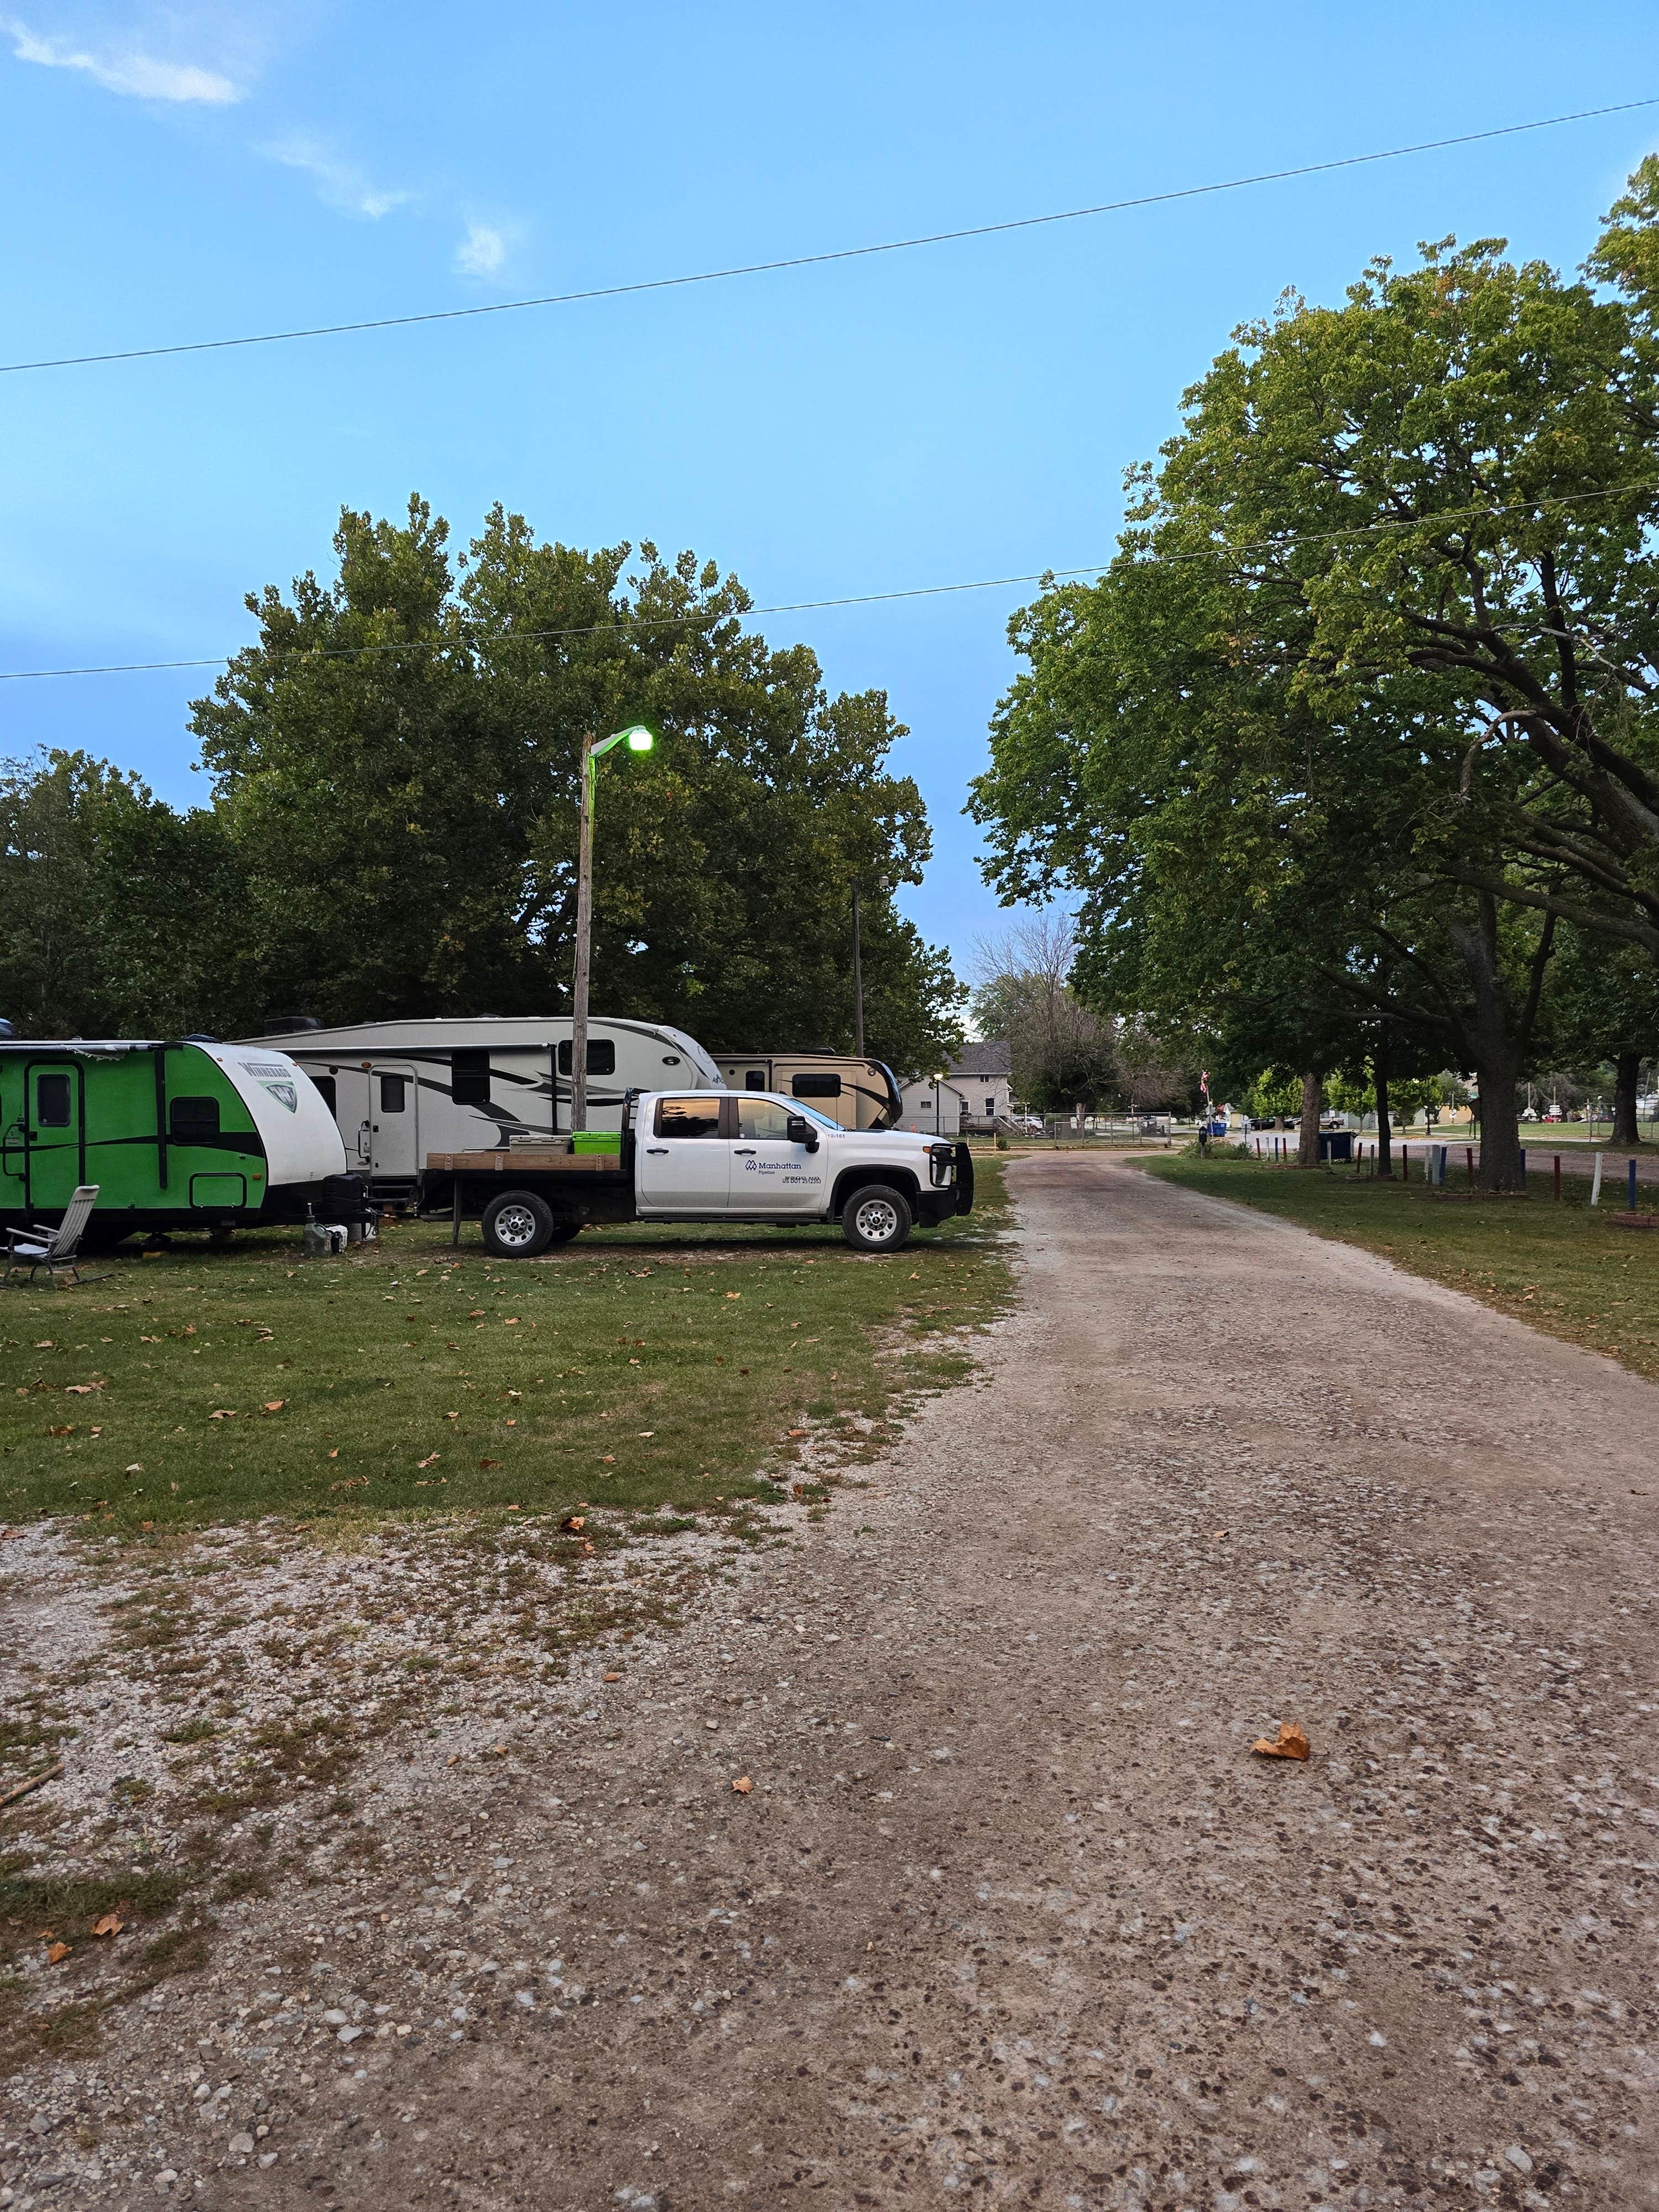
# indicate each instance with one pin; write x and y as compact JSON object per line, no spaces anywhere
{"x":876,"y":1218}
{"x":517,"y":1226}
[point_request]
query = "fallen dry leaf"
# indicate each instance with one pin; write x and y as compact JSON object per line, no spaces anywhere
{"x":335,"y":1454}
{"x":476,"y":1313}
{"x":61,"y":1432}
{"x":56,"y":1954}
{"x":743,"y":1786}
{"x":574,"y":1521}
{"x":45,"y":1344}
{"x":1291,"y":1742}
{"x":610,"y":1459}
{"x":489,"y":1462}
{"x":276,"y":1404}
{"x":108,"y":1924}
{"x":81,"y":1389}
{"x":224,"y":1414}
{"x":610,"y":1678}
{"x":429,"y":1460}
{"x":794,"y":1432}
{"x":512,"y":1322}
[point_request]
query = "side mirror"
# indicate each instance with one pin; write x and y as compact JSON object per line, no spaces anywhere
{"x":800,"y":1131}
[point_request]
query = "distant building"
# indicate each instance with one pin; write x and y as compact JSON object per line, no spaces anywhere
{"x":931,"y":1109}
{"x":984,"y":1076}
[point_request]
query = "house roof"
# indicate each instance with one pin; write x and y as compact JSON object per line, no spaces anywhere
{"x":988,"y":1060}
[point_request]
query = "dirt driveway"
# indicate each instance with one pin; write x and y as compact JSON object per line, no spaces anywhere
{"x":1009,"y":1914}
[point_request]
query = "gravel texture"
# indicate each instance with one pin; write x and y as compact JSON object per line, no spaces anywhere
{"x":1008,"y":1906}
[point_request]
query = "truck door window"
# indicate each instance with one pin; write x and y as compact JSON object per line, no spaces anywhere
{"x":762,"y":1118}
{"x":815,"y":1087}
{"x":688,"y":1117}
{"x":192,"y":1120}
{"x":392,"y":1088}
{"x":601,"y":1056}
{"x":468,"y":1078}
{"x":52,"y":1101}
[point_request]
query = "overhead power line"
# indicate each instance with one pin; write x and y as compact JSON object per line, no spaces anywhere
{"x":819,"y":260}
{"x":705,"y":620}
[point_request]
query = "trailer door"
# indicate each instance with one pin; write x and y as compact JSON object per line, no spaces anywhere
{"x":393,"y":1121}
{"x":54,"y":1135}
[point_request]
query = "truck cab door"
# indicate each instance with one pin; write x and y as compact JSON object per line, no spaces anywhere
{"x":684,"y":1155}
{"x":771,"y":1175}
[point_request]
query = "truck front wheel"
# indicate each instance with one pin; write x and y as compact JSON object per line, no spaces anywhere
{"x":876,"y":1218}
{"x":517,"y":1226}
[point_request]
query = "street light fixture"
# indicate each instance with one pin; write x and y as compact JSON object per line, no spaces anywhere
{"x":638,"y":739}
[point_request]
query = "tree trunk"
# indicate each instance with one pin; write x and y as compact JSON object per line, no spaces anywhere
{"x":1384,"y":1126}
{"x":1496,"y":1043}
{"x":1627,"y":1068}
{"x":1312,"y":1105}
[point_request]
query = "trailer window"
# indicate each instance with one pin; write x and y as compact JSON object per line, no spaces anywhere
{"x":323,"y":1086}
{"x":392,"y":1089}
{"x":52,"y":1101}
{"x":193,"y":1120}
{"x":815,"y":1087}
{"x":468,"y":1078}
{"x":689,"y":1117}
{"x":755,"y":1079}
{"x":601,"y":1056}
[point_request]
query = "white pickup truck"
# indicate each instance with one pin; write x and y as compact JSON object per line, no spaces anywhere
{"x":706,"y":1155}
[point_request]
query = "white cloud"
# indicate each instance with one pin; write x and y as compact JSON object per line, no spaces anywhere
{"x":481,"y":252}
{"x":139,"y":75}
{"x":338,"y":184}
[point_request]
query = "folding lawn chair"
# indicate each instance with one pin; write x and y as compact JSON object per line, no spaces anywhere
{"x":54,"y":1249}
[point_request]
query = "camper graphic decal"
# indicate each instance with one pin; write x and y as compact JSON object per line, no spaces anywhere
{"x":283,"y":1089}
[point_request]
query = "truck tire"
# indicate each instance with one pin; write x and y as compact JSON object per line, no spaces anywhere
{"x":517,"y":1224}
{"x":564,"y":1229}
{"x":876,"y":1218}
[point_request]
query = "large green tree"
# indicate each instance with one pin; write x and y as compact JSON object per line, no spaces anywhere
{"x":1373,"y":669}
{"x":397,"y":761}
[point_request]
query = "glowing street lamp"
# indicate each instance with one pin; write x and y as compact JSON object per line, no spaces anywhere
{"x":638,"y":739}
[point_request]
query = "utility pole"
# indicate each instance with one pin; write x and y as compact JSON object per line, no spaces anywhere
{"x":638,"y":739}
{"x":584,"y":943}
{"x":858,"y":980}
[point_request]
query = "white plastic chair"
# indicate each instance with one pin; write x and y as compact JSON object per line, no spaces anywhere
{"x":54,"y":1249}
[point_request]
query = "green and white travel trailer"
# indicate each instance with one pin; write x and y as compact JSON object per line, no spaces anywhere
{"x":176,"y":1134}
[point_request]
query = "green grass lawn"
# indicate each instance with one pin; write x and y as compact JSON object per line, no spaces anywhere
{"x":636,"y":1368}
{"x":1561,"y":1268}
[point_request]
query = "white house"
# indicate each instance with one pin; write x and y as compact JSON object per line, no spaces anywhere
{"x":984,"y":1076}
{"x":929,"y":1108}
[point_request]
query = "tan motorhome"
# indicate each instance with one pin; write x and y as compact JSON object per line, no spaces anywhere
{"x":858,"y":1094}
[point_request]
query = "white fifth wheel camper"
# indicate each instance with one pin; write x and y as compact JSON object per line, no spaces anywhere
{"x":401,"y":1089}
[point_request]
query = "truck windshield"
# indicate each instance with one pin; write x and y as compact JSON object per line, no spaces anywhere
{"x":810,"y":1114}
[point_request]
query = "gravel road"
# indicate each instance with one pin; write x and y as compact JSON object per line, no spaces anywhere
{"x":1009,"y":1913}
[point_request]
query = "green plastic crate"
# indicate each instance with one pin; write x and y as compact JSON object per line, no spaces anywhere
{"x":597,"y":1140}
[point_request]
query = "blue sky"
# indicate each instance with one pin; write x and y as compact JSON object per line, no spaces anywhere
{"x":190,"y":170}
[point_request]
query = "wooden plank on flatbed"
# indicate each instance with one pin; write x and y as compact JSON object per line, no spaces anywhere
{"x":522,"y":1161}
